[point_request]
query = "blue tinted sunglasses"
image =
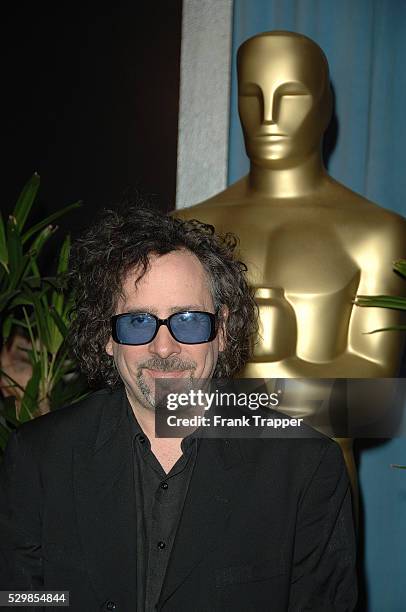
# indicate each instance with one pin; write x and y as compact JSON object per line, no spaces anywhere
{"x":188,"y":327}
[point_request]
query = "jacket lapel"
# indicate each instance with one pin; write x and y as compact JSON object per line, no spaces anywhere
{"x":208,"y":505}
{"x":104,"y":493}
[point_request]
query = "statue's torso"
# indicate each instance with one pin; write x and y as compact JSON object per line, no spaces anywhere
{"x":307,"y":260}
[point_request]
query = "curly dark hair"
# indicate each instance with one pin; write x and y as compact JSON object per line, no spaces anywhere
{"x":124,"y":239}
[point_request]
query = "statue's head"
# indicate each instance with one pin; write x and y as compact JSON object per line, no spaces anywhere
{"x":284,"y":97}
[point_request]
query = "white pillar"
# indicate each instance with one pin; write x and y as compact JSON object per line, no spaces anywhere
{"x":204,"y":100}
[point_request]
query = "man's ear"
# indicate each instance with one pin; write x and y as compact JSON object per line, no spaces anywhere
{"x":223,"y":328}
{"x":109,"y":347}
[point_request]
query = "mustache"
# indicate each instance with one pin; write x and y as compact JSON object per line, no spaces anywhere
{"x":168,"y":364}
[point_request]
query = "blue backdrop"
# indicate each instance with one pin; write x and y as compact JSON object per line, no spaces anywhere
{"x":365,"y":43}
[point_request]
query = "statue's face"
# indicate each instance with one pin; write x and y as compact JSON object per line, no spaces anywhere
{"x":283,"y":98}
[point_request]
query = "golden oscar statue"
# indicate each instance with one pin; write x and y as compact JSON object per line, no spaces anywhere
{"x":310,"y":243}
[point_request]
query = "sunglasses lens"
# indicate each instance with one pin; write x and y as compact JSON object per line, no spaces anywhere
{"x":185,"y":327}
{"x":191,"y":327}
{"x":135,"y":328}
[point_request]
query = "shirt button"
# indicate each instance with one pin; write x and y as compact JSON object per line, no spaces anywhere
{"x":141,"y":439}
{"x":164,"y":485}
{"x":161,"y":545}
{"x":110,"y":605}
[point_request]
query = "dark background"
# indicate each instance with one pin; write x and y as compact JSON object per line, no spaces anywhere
{"x":91,"y":103}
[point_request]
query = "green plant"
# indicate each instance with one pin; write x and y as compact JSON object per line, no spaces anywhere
{"x":39,"y":305}
{"x":387,"y":301}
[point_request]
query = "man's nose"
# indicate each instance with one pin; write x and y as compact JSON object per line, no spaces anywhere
{"x":269,"y":102}
{"x":164,"y":344}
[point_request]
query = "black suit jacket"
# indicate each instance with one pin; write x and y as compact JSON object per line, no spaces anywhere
{"x":266,"y":526}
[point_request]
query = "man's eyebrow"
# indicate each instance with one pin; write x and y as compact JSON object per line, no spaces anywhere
{"x":172,"y":310}
{"x":184,"y":307}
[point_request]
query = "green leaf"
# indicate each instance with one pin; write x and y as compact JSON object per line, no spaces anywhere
{"x":29,"y":403}
{"x":63,"y":330}
{"x":382,"y":301}
{"x":41,"y":239}
{"x":393,"y":328}
{"x":55,"y":336}
{"x":30,"y":291}
{"x":36,"y":228}
{"x":33,"y":282}
{"x":17,"y":276}
{"x":26,"y":200}
{"x":20,"y":300}
{"x":63,"y":365}
{"x":400,"y":266}
{"x":64,"y":256}
{"x":3,"y":245}
{"x":18,"y":262}
{"x":15,"y":248}
{"x":6,"y":329}
{"x":42,"y":321}
{"x":7,"y":297}
{"x":19,"y":323}
{"x":58,"y":297}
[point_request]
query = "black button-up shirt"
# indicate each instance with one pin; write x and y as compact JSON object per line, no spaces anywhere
{"x":159,"y":503}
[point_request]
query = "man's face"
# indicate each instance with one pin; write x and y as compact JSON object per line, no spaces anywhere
{"x":173,"y":283}
{"x":281,"y":103}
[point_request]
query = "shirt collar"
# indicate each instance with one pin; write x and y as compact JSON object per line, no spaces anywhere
{"x":137,"y":432}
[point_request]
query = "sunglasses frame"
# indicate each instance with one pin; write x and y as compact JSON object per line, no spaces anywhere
{"x":214,"y":320}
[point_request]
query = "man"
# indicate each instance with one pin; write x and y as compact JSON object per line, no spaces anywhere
{"x":95,"y":504}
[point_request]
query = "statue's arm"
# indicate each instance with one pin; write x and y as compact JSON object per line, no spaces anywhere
{"x":380,"y":350}
{"x":367,"y":354}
